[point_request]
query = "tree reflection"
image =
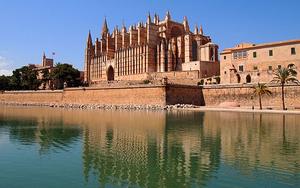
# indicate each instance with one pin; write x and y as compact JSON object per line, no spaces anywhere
{"x":49,"y":135}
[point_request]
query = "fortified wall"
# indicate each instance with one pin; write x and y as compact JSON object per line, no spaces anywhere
{"x":123,"y":95}
{"x":149,"y":94}
{"x":242,"y":94}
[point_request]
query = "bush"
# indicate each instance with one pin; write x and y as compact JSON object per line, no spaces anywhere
{"x":146,"y":81}
{"x":200,"y":83}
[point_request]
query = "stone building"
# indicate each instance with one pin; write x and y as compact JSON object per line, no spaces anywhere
{"x":158,"y":46}
{"x":46,"y":65}
{"x":252,"y":63}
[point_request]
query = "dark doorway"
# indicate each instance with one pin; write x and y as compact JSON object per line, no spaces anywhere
{"x":238,"y":77}
{"x":248,"y":79}
{"x":110,"y":74}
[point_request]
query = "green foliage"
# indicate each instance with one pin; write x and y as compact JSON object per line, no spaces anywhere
{"x":283,"y":76}
{"x":146,"y":81}
{"x":65,"y":73}
{"x":259,"y":90}
{"x":201,"y":82}
{"x":218,"y":79}
{"x":4,"y":82}
{"x":24,"y":78}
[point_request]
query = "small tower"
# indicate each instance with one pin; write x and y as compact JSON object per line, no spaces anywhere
{"x":186,"y":25}
{"x":156,"y":19}
{"x":196,"y":31}
{"x":88,"y":57}
{"x":149,"y":19}
{"x":168,"y":16}
{"x":104,"y":31}
{"x":201,"y":30}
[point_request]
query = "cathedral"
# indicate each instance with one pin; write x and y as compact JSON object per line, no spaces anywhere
{"x":156,"y":47}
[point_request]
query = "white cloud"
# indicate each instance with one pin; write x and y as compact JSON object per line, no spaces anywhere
{"x":4,"y":66}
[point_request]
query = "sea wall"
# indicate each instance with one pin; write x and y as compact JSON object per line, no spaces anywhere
{"x":242,"y":94}
{"x":124,"y":95}
{"x":149,"y":94}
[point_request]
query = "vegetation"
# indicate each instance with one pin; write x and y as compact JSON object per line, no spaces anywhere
{"x":201,"y":82}
{"x":65,"y":73}
{"x":26,"y":78}
{"x":259,"y":90}
{"x":146,"y":81}
{"x":283,"y":76}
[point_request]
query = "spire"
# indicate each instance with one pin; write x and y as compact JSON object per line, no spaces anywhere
{"x":123,"y":28}
{"x":168,"y":16}
{"x":156,"y":19}
{"x":186,"y":24}
{"x":104,"y":28}
{"x":201,"y":30}
{"x":149,"y":18}
{"x":89,"y":39}
{"x":196,"y":31}
{"x":44,"y":55}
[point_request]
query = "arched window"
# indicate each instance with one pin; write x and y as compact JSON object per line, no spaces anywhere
{"x":110,"y":73}
{"x":238,"y":78}
{"x":194,"y":51}
{"x":248,"y":79}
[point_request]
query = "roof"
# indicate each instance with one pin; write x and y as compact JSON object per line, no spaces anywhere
{"x":248,"y":46}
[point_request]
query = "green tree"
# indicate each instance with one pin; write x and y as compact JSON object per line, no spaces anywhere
{"x":283,"y":76}
{"x":259,"y":90}
{"x":65,"y":73}
{"x":4,"y":82}
{"x":24,"y":78}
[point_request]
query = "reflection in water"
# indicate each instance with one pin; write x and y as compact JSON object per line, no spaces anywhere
{"x":50,"y":133}
{"x":159,"y":149}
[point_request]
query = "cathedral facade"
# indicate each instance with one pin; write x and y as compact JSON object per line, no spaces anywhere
{"x":157,"y":46}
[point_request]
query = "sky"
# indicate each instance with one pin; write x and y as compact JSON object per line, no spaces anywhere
{"x":30,"y":27}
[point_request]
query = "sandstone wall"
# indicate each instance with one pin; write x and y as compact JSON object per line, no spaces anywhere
{"x":184,"y":95}
{"x":125,"y":95}
{"x":32,"y":96}
{"x":243,"y":95}
{"x":154,"y":95}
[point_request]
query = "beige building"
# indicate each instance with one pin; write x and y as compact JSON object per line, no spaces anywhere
{"x":157,"y":46}
{"x":252,"y":63}
{"x":47,"y":65}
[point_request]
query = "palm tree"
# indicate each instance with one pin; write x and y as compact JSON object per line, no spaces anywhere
{"x":261,"y":89}
{"x":283,"y":76}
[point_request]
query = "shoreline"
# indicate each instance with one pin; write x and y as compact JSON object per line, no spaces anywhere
{"x":181,"y":107}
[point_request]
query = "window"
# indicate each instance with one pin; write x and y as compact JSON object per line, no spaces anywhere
{"x":241,"y":68}
{"x":270,"y":52}
{"x":244,"y":53}
{"x":270,"y":68}
{"x":224,"y":72}
{"x":255,"y":68}
{"x":224,"y":56}
{"x":235,"y":55}
{"x":293,"y":51}
{"x":254,"y":54}
{"x":279,"y":66}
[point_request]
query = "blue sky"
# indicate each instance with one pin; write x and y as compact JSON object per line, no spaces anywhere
{"x":29,"y":27}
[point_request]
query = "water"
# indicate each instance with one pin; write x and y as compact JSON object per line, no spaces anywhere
{"x":41,"y":147}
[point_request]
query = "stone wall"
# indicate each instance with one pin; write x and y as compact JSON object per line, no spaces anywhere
{"x":184,"y":95}
{"x":32,"y":96}
{"x":122,"y":95}
{"x":242,"y":94}
{"x":135,"y":95}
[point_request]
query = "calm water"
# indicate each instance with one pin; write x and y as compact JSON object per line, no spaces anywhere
{"x":42,"y":147}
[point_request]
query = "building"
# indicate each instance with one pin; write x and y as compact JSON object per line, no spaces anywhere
{"x":46,"y":66}
{"x":158,"y":46}
{"x":252,"y":63}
